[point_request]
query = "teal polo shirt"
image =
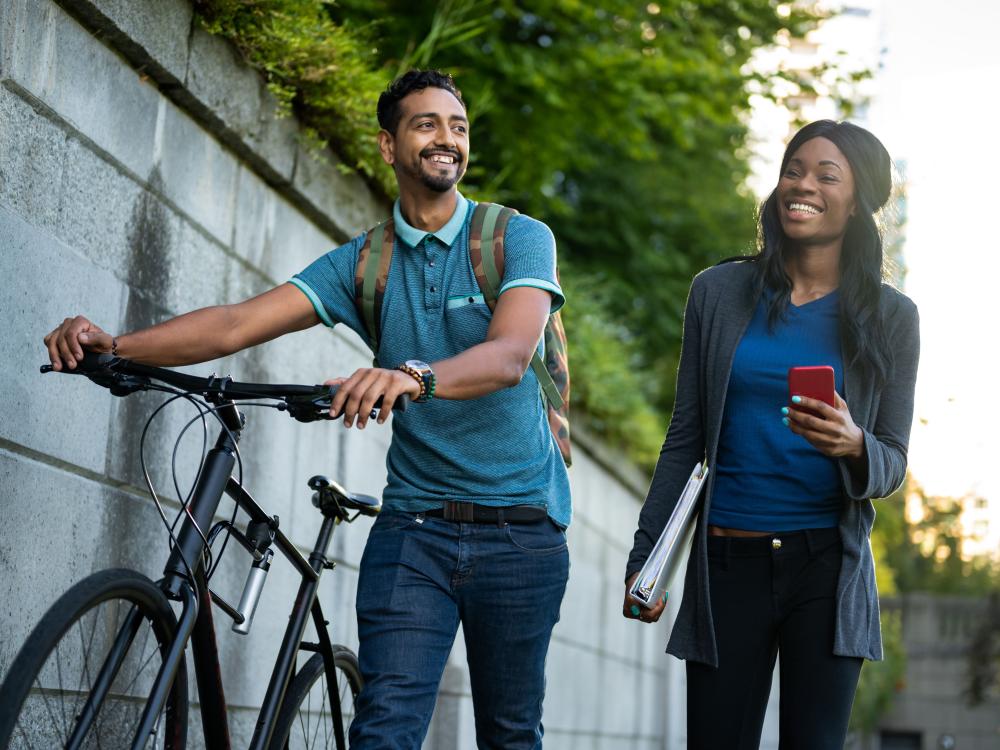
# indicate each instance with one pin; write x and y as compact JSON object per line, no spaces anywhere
{"x":494,"y":450}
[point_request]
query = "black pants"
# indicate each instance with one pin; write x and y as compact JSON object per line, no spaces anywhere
{"x":770,"y":595}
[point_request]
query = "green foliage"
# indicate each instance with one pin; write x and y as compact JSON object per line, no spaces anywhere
{"x":621,"y":124}
{"x":983,"y":672}
{"x":880,"y":680}
{"x":926,"y":555}
{"x":326,"y":72}
{"x":614,"y":394}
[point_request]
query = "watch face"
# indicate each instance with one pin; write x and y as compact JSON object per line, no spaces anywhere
{"x":417,"y":364}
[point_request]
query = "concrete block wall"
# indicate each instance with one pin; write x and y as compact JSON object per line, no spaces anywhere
{"x":143,"y":173}
{"x":937,"y":632}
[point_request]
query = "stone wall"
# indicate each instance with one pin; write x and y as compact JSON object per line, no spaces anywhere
{"x":143,"y":173}
{"x":930,"y":709}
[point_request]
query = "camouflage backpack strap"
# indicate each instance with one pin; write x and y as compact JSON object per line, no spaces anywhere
{"x":486,"y":251}
{"x":488,"y":220}
{"x":370,"y":278}
{"x":557,"y":368}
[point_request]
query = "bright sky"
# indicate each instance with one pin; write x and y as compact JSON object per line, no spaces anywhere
{"x":936,"y":107}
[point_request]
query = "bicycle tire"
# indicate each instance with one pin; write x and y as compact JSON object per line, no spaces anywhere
{"x":305,"y":721}
{"x":39,"y":704}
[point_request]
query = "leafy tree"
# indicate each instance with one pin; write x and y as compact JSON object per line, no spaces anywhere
{"x":925,"y":555}
{"x":621,"y":124}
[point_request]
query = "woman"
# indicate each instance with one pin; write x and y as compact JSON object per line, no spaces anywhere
{"x":781,"y":561}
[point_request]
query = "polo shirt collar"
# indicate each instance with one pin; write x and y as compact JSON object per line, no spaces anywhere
{"x":446,"y":234}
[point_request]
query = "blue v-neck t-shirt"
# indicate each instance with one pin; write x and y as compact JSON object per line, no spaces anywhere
{"x":767,"y":477}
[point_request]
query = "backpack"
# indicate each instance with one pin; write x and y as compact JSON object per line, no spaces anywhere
{"x":486,"y":253}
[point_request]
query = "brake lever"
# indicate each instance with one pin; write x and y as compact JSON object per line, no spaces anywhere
{"x":313,"y":408}
{"x":98,"y":372}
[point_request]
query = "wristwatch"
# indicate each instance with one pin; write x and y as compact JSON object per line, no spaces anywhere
{"x":423,"y":374}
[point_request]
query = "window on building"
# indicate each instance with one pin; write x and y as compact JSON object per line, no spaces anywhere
{"x":894,"y":740}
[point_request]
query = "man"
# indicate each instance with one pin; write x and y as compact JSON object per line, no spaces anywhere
{"x":475,"y":446}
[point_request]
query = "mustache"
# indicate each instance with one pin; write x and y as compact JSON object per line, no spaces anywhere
{"x":428,"y":152}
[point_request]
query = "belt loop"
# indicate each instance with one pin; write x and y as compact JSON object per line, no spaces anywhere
{"x":810,"y":543}
{"x":500,"y":521}
{"x":725,"y":557}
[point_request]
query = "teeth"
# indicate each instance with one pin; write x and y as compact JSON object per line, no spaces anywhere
{"x":803,"y":207}
{"x":443,"y":159}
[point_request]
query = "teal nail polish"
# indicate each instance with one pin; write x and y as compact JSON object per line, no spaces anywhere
{"x":784,"y":410}
{"x":796,"y":399}
{"x":784,"y":421}
{"x":634,"y":610}
{"x":664,"y":597}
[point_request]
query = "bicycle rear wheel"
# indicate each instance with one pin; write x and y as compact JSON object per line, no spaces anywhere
{"x":53,"y":678}
{"x":307,"y":720}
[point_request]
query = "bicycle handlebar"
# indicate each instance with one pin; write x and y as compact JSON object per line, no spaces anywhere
{"x":306,"y":403}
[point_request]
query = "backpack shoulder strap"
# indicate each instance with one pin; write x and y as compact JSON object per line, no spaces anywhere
{"x":486,"y":249}
{"x":370,"y":278}
{"x":486,"y":252}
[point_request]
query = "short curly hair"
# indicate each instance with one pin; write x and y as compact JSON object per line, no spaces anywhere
{"x":389,"y":111}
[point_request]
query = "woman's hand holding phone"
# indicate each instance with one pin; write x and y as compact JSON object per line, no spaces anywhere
{"x":831,"y":431}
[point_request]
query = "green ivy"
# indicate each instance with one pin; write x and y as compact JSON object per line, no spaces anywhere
{"x":327,"y":73}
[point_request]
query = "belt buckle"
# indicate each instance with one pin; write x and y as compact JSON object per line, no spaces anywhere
{"x":461,"y":512}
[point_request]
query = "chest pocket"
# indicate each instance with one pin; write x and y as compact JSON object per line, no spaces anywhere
{"x":466,"y":319}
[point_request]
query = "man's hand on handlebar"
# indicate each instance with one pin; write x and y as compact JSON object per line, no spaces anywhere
{"x":356,"y":395}
{"x":67,"y":342}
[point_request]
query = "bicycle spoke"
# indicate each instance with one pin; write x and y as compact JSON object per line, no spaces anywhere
{"x":302,"y":727}
{"x":142,"y":667}
{"x":45,"y":699}
{"x":322,"y":678}
{"x":324,"y":719}
{"x":62,"y":712}
{"x":25,"y":735}
{"x":84,"y":672}
{"x":139,"y":670}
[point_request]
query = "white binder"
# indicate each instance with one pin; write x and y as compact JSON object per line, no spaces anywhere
{"x":674,"y":542}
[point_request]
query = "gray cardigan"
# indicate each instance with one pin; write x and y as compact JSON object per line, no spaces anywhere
{"x":719,"y":308}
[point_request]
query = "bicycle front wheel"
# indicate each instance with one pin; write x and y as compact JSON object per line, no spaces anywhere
{"x":308,"y":718}
{"x":83,"y":676}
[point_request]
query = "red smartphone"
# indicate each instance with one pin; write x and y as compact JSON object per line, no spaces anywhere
{"x":811,"y":382}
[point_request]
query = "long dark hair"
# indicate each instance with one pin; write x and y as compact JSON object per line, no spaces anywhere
{"x":862,"y":319}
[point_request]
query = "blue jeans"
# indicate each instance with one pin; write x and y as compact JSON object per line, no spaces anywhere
{"x":420,"y":577}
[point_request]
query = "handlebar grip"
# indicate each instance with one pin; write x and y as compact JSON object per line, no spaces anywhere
{"x":401,"y":404}
{"x":91,"y":362}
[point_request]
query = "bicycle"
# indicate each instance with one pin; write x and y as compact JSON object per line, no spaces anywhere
{"x":105,"y":667}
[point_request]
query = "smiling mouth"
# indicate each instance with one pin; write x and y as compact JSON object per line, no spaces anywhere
{"x":439,"y":158}
{"x":803,"y":208}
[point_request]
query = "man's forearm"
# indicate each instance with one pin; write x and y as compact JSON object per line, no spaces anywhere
{"x":481,"y":370}
{"x":213,"y":332}
{"x":197,"y":336}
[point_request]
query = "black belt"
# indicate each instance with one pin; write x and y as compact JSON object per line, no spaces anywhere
{"x":474,"y":513}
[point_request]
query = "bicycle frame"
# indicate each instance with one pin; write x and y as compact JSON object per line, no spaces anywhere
{"x":196,"y":623}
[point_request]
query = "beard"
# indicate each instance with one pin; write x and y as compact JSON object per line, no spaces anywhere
{"x":439,"y":183}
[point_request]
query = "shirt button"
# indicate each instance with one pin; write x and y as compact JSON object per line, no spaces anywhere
{"x":434,"y":288}
{"x":431,"y":264}
{"x":775,"y":543}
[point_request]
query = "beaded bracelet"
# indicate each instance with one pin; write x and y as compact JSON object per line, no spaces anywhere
{"x":420,"y":381}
